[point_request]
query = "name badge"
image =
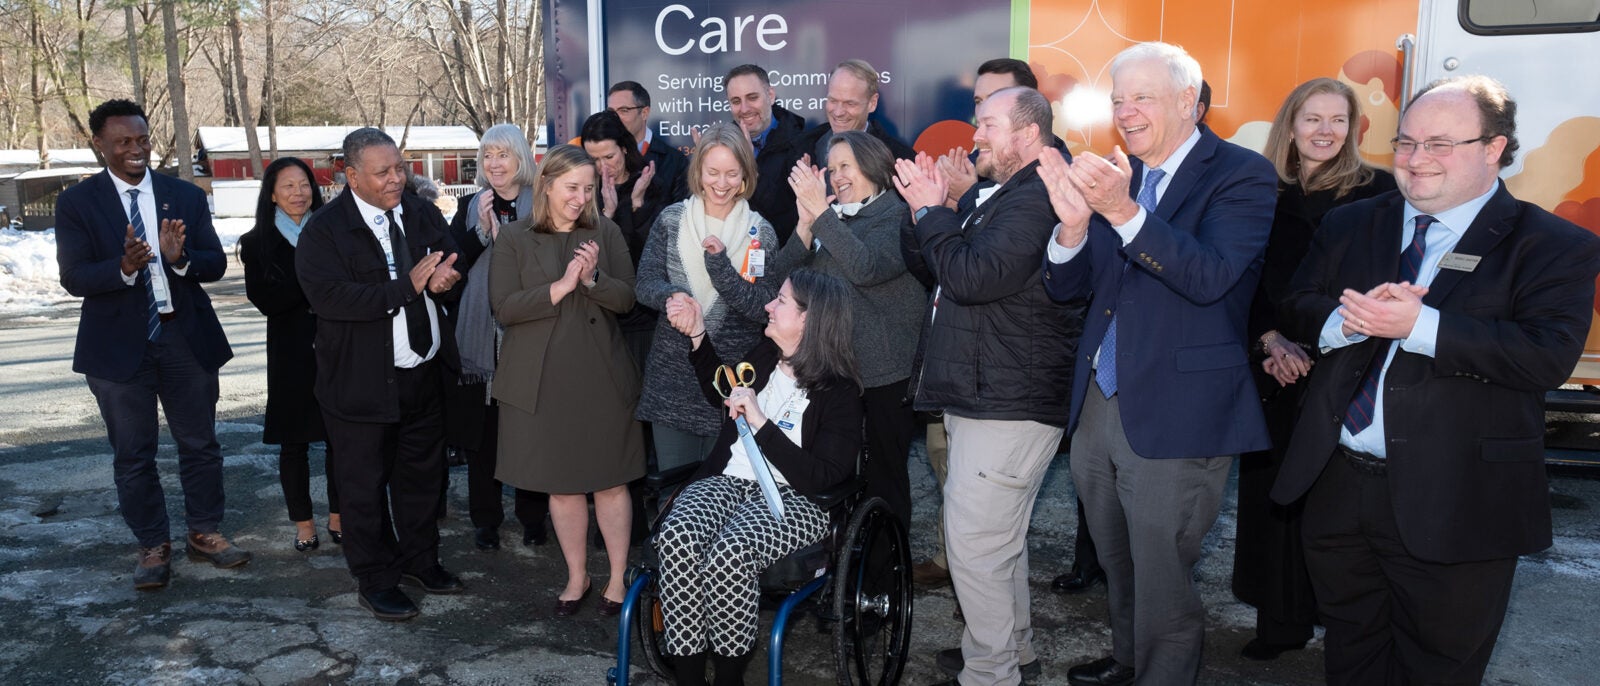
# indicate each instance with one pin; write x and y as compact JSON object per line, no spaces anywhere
{"x":758,"y":263}
{"x":1459,"y":262}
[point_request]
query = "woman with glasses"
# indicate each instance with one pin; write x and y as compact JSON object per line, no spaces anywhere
{"x":1313,"y":144}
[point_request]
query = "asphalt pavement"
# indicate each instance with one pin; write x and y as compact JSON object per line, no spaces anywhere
{"x":69,"y":614}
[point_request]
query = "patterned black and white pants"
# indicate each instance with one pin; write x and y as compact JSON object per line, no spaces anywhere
{"x":714,"y":545}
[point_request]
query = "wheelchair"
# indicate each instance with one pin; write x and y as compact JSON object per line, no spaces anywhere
{"x":860,"y":572}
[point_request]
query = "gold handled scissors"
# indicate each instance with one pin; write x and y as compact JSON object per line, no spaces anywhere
{"x":729,"y":377}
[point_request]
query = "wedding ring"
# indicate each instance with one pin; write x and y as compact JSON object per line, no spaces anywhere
{"x":1361,"y":323}
{"x":1093,"y":184}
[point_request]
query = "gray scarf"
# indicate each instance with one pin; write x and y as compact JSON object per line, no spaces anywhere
{"x":477,"y":333}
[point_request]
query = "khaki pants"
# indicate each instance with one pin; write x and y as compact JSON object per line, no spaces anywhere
{"x":995,"y":471}
{"x":939,"y":460}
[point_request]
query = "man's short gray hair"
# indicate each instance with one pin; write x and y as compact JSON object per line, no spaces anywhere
{"x":360,"y":139}
{"x":1183,"y":69}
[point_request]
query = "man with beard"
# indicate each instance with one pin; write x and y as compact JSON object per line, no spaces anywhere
{"x":773,"y":131}
{"x":1004,"y":411}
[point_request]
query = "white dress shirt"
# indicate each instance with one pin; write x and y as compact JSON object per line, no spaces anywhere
{"x":404,"y":356}
{"x":152,"y":235}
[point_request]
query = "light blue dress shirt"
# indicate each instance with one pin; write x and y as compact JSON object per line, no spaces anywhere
{"x":1441,"y":240}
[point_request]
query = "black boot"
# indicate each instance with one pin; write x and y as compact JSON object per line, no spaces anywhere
{"x":730,"y":670}
{"x":690,"y":670}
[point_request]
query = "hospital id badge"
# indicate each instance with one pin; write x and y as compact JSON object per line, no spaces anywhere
{"x":756,"y":263}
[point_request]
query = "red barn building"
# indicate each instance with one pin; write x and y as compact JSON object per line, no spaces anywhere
{"x":446,"y":154}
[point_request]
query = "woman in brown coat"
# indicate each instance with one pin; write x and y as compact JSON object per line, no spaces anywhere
{"x":566,"y":384}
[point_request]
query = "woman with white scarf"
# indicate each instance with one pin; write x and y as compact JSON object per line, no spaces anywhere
{"x":506,"y":171}
{"x":714,"y":248}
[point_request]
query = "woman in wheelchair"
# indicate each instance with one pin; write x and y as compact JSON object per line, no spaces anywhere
{"x":800,"y":394}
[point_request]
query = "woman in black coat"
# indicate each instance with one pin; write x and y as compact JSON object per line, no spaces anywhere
{"x":1313,"y":143}
{"x":294,"y":420}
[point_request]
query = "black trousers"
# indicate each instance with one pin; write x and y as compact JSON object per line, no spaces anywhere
{"x":389,"y":476}
{"x":484,"y":491}
{"x":188,"y":394}
{"x":294,"y":474}
{"x":890,"y":426}
{"x":1392,"y":618}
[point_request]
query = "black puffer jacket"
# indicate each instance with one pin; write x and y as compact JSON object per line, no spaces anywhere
{"x":774,"y":199}
{"x":999,"y":347}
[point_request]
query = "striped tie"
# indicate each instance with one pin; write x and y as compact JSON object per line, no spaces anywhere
{"x":152,"y":325}
{"x":1106,"y":373}
{"x":1358,"y":416}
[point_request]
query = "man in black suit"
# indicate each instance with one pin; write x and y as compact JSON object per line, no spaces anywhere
{"x":668,"y":168}
{"x":148,"y":332}
{"x":377,"y":266}
{"x":1444,"y":311}
{"x":773,"y":132}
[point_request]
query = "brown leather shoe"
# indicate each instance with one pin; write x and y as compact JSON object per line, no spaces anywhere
{"x":215,"y":549}
{"x":154,"y":569}
{"x":929,"y":575}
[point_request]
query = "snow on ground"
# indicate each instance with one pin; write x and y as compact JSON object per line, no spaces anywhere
{"x":30,"y":282}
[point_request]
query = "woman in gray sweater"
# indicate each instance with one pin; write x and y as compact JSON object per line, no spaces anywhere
{"x":854,"y":235}
{"x":714,"y":248}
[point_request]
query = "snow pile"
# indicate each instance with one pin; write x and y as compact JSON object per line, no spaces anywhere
{"x":30,"y":281}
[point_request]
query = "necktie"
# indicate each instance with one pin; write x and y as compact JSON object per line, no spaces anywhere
{"x":152,"y":324}
{"x":1106,"y":373}
{"x":1358,"y":416}
{"x":418,"y":330}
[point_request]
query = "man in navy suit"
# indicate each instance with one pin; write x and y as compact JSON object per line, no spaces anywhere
{"x":147,"y":332}
{"x":1444,"y":310}
{"x":1169,"y":239}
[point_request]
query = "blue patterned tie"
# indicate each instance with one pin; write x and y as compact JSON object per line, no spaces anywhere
{"x":152,"y":325}
{"x":1358,"y":416}
{"x":1106,"y":373}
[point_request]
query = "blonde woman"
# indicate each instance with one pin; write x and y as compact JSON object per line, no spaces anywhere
{"x":711,"y":247}
{"x":566,"y":386}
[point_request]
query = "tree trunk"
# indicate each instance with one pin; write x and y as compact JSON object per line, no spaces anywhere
{"x":38,"y":87}
{"x":182,"y":146}
{"x":247,"y":114}
{"x":133,"y":54}
{"x":268,"y":98}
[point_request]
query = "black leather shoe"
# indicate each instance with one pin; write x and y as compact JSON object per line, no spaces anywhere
{"x":336,"y":536}
{"x":306,"y":546}
{"x":434,"y":580}
{"x":390,"y":604}
{"x":951,"y":662}
{"x":1075,"y":582}
{"x":1105,"y":671}
{"x":1262,"y":651}
{"x":486,"y":538}
{"x":535,"y":536}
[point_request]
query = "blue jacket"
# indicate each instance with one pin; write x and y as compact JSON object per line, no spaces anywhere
{"x":90,"y":228}
{"x":1183,"y":368}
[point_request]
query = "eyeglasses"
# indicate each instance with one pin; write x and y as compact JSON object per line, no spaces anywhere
{"x":1436,"y":147}
{"x":625,"y":110}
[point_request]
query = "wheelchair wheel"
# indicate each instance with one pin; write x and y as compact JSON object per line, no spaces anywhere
{"x":652,"y":629}
{"x":872,"y":598}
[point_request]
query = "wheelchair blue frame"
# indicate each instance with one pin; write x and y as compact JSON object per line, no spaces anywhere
{"x":619,"y":675}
